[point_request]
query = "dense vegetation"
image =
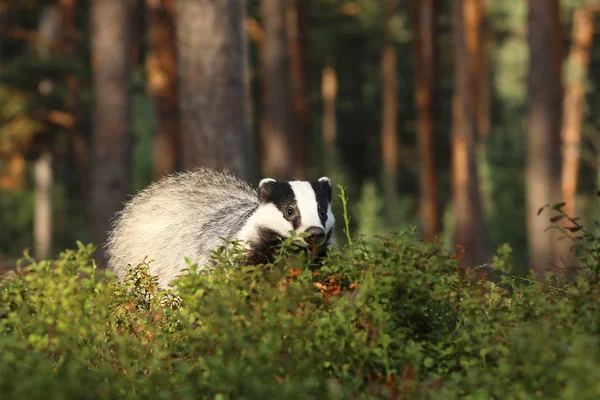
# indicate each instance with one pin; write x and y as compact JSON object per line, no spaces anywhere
{"x":386,"y":317}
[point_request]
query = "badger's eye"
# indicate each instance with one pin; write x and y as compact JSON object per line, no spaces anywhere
{"x":322,"y":212}
{"x":289,"y":211}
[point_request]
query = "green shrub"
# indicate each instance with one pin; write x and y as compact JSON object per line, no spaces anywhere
{"x":392,"y":318}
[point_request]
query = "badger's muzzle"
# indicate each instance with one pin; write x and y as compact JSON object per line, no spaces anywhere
{"x":316,"y":236}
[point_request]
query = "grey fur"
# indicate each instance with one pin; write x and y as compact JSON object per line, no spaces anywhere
{"x":183,"y":215}
{"x":186,"y":215}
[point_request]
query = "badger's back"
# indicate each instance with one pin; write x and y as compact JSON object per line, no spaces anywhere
{"x":183,"y":215}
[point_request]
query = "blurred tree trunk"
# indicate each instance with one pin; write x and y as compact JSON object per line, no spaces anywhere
{"x":42,"y":219}
{"x":482,"y":89}
{"x":48,"y":31}
{"x":389,"y":132}
{"x":329,"y":93}
{"x":113,"y":138}
{"x":298,"y":25}
{"x":257,"y":35}
{"x":574,"y":103}
{"x":136,"y":11}
{"x":278,"y":114}
{"x":423,"y":21}
{"x":251,"y":137}
{"x":470,"y":223}
{"x":161,"y":67}
{"x":543,"y":176}
{"x":210,"y":47}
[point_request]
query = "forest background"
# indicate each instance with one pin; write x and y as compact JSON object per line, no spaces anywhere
{"x":461,"y":118}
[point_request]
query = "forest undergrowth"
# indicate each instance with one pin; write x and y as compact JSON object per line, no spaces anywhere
{"x":391,"y":318}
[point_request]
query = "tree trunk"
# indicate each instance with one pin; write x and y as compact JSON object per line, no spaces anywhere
{"x":211,"y":40}
{"x":278,"y":114}
{"x":49,"y":32}
{"x":112,"y":141}
{"x":298,"y":24}
{"x":481,"y":67}
{"x":470,"y":224}
{"x":389,"y":131}
{"x":161,"y":67}
{"x":574,"y":103}
{"x":424,"y":13}
{"x":257,"y":35}
{"x":42,"y":222}
{"x":543,"y":175}
{"x":251,"y":136}
{"x":329,"y":93}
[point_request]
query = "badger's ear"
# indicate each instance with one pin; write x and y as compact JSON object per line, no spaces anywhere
{"x":325,"y":183}
{"x":265,"y":187}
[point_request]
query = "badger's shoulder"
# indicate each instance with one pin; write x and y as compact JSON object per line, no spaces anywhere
{"x":196,"y":186}
{"x":185,"y":196}
{"x":201,"y":179}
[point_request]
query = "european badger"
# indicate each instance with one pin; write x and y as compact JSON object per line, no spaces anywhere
{"x":187,"y":214}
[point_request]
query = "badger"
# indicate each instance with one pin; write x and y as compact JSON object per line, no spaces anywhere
{"x":191,"y":214}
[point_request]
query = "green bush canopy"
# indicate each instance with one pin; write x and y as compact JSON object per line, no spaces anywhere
{"x":390,"y":318}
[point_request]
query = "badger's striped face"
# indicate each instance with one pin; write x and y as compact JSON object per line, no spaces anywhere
{"x":298,"y":206}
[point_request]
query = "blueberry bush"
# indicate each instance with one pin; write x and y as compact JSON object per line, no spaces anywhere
{"x":391,"y":318}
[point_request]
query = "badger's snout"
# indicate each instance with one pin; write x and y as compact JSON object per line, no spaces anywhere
{"x":316,"y":235}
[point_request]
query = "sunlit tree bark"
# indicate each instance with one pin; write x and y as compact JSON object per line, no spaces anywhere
{"x":161,"y":67}
{"x":470,"y":224}
{"x":42,"y":219}
{"x":329,"y":93}
{"x":574,"y":102}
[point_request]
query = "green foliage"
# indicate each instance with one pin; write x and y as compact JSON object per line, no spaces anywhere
{"x":392,"y":317}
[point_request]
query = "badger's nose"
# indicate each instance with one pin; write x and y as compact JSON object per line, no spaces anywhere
{"x":317,"y":235}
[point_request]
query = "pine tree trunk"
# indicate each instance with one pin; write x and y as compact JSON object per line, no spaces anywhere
{"x":161,"y":67}
{"x":543,"y":175}
{"x":112,"y":141}
{"x":49,"y":31}
{"x":480,"y":65}
{"x":470,"y":223}
{"x":389,"y":132}
{"x":574,"y":103}
{"x":251,"y":136}
{"x":329,"y":93}
{"x":210,"y":47}
{"x":423,"y":18}
{"x":257,"y":35}
{"x":42,"y":222}
{"x":298,"y":21}
{"x":278,"y":114}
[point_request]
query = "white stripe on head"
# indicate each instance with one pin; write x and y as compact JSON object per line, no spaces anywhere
{"x":263,"y":181}
{"x":266,"y":216}
{"x":306,"y":199}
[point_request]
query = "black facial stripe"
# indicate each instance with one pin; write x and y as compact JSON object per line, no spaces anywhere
{"x":262,"y":251}
{"x":282,"y":196}
{"x":323,"y":195}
